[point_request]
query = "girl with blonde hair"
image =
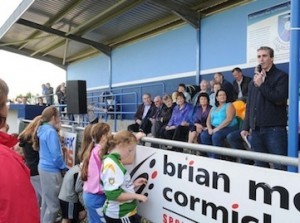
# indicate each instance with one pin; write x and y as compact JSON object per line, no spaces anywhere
{"x":121,"y":203}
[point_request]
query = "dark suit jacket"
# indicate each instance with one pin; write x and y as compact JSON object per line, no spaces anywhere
{"x":244,"y":86}
{"x":140,"y":111}
{"x":228,"y":89}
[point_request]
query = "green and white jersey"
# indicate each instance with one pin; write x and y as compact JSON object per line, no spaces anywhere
{"x":116,"y":180}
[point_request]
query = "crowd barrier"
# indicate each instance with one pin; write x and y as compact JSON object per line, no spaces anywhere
{"x":187,"y":188}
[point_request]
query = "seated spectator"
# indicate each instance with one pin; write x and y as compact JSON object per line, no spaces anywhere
{"x":199,"y":117}
{"x":174,"y":98}
{"x":156,"y":116}
{"x":228,"y":87}
{"x":240,"y":84}
{"x":220,"y":122}
{"x":211,"y":85}
{"x":91,"y":115}
{"x":204,"y":87}
{"x":166,"y":113}
{"x":41,"y":102}
{"x":182,"y":89}
{"x":178,"y":127}
{"x":111,"y":105}
{"x":234,"y":138}
{"x":212,"y":96}
{"x":24,"y":100}
{"x":141,"y":117}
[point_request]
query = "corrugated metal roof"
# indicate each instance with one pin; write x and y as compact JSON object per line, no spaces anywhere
{"x":65,"y":31}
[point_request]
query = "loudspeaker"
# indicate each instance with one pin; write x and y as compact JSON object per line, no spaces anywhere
{"x":76,"y":97}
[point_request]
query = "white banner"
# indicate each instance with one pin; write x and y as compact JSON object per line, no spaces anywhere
{"x":269,"y":27}
{"x":185,"y":188}
{"x":69,"y":147}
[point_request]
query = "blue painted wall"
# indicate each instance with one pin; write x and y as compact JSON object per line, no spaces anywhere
{"x":94,"y":70}
{"x":223,"y":47}
{"x":169,"y":53}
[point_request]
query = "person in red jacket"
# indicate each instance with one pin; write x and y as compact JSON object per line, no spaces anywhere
{"x":17,"y":197}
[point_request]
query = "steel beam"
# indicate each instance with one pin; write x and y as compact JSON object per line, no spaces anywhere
{"x":101,"y":47}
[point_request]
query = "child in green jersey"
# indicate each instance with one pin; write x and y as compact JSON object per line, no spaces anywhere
{"x":121,"y":202}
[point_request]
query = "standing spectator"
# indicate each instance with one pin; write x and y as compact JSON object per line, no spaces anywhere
{"x":51,"y":162}
{"x":18,"y":202}
{"x":240,"y":84}
{"x":59,"y":86}
{"x":121,"y":205}
{"x":44,"y":90}
{"x":93,"y":194}
{"x":31,"y":156}
{"x":71,"y":207}
{"x":182,"y":89}
{"x":62,"y":98}
{"x":266,"y":112}
{"x":220,"y":122}
{"x":142,"y":115}
{"x":225,"y":85}
{"x":50,"y":95}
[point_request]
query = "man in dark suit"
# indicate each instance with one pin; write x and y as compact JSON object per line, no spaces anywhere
{"x":240,"y":84}
{"x":142,"y":115}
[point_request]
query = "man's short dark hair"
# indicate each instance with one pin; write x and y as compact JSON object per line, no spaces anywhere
{"x":182,"y":85}
{"x":236,"y":69}
{"x":269,"y":49}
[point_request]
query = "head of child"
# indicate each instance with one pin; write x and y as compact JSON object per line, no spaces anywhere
{"x":51,"y":116}
{"x":99,"y":135}
{"x":27,"y":133}
{"x":123,"y":143}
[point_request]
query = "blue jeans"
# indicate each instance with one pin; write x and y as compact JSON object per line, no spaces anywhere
{"x":216,"y":139}
{"x":236,"y":141}
{"x":272,"y":140}
{"x":94,"y":206}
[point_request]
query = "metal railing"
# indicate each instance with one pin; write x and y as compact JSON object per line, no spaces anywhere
{"x":277,"y":159}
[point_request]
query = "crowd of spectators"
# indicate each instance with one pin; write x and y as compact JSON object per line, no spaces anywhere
{"x":213,"y":115}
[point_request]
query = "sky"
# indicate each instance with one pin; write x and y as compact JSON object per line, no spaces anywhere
{"x":24,"y":74}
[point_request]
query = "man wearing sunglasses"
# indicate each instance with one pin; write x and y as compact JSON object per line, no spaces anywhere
{"x":18,"y":202}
